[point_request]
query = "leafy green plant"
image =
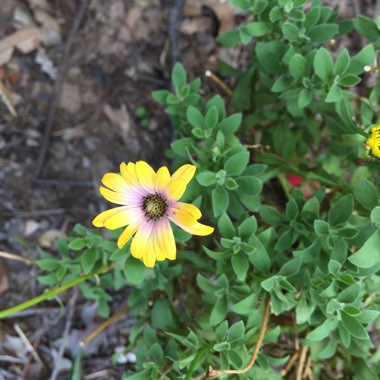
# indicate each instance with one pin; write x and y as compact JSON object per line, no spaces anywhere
{"x":309,"y":259}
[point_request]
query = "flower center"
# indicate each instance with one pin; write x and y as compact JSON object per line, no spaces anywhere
{"x":154,"y":206}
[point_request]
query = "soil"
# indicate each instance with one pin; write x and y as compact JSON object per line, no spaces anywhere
{"x":82,"y":102}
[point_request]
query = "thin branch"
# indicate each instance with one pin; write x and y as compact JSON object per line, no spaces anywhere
{"x":12,"y":256}
{"x":104,"y":325}
{"x":301,"y":362}
{"x":219,"y":83}
{"x":290,"y":363}
{"x":58,"y":86}
{"x":263,"y":328}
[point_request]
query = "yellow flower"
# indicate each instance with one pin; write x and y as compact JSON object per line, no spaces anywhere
{"x":373,"y":141}
{"x":148,"y":201}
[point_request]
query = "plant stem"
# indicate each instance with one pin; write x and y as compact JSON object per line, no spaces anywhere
{"x":53,"y":292}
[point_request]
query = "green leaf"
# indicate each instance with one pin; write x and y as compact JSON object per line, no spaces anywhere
{"x":88,"y":260}
{"x":312,"y":17}
{"x":369,"y":254}
{"x":270,"y":215}
{"x":367,"y":28}
{"x":206,"y":178}
{"x":236,"y":164}
{"x":134,"y":271}
{"x":322,"y":32}
{"x":323,"y":64}
{"x":195,"y":118}
{"x":322,"y":331}
{"x":178,"y":76}
{"x":240,"y":265}
{"x":250,"y":185}
{"x":230,"y":38}
{"x":290,"y":31}
{"x":349,"y":80}
{"x":225,"y":226}
{"x":236,"y":332}
{"x":211,"y":117}
{"x":334,"y":95}
{"x":341,"y":210}
{"x":160,"y":96}
{"x":365,"y":57}
{"x":219,"y":311}
{"x":162,"y":316}
{"x":354,"y":327}
{"x":298,"y":66}
{"x":180,"y":146}
{"x":304,"y":98}
{"x":257,"y":28}
{"x":290,"y":268}
{"x":77,"y":244}
{"x":220,"y":200}
{"x":244,"y":307}
{"x":342,"y":62}
{"x":375,"y":215}
{"x":247,"y":228}
{"x":366,"y":194}
{"x":48,"y":264}
{"x":350,"y":294}
{"x":321,"y":227}
{"x":230,"y":124}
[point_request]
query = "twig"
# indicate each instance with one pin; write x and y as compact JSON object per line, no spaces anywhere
{"x":214,"y":78}
{"x":167,"y":370}
{"x":58,"y":86}
{"x":104,"y":325}
{"x":308,"y":372}
{"x":301,"y":362}
{"x":27,"y":343}
{"x":27,"y":313}
{"x":11,"y":359}
{"x":264,"y":323}
{"x":290,"y":363}
{"x":174,"y":15}
{"x":66,"y":331}
{"x":12,"y":256}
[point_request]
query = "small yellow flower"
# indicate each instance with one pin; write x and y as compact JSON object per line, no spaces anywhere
{"x":149,"y":200}
{"x":373,"y":141}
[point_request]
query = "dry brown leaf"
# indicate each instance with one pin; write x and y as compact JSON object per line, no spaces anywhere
{"x":4,"y":284}
{"x":25,"y":40}
{"x":120,"y":117}
{"x":49,"y":237}
{"x":6,"y":97}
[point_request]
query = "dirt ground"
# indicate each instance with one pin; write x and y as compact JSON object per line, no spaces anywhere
{"x":77,"y":76}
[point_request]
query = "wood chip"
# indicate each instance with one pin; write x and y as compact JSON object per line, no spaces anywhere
{"x":26,"y":40}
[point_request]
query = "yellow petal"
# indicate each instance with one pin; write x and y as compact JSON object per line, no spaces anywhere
{"x":149,"y":258}
{"x":115,"y":182}
{"x":121,"y":219}
{"x":176,"y":189}
{"x":138,"y":244}
{"x":128,"y":172}
{"x":126,"y":235}
{"x":162,"y":179}
{"x":103,"y":216}
{"x":166,"y":240}
{"x":146,"y":175}
{"x":181,"y":217}
{"x":198,"y":229}
{"x":185,"y":172}
{"x":112,"y":196}
{"x":189,"y":208}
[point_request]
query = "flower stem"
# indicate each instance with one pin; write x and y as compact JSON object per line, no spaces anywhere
{"x":53,"y":292}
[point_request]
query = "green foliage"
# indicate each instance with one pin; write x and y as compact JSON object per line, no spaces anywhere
{"x":315,"y":252}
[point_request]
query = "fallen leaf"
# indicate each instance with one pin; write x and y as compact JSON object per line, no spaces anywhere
{"x":6,"y":96}
{"x":4,"y":284}
{"x":49,"y":237}
{"x":26,"y":40}
{"x":120,"y":117}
